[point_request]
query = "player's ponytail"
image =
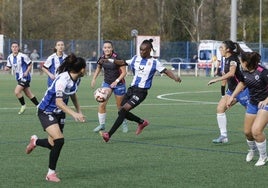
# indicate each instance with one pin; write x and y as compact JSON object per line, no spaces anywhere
{"x":72,"y":63}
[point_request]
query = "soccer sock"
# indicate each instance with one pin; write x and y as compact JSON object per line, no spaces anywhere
{"x":22,"y":101}
{"x":133,"y":117}
{"x":121,"y":116}
{"x":50,"y":171}
{"x":222,"y":123}
{"x":222,"y":90}
{"x":55,"y":153}
{"x":34,"y":100}
{"x":102,"y":118}
{"x":251,"y":145}
{"x":262,"y":149}
{"x":43,"y":143}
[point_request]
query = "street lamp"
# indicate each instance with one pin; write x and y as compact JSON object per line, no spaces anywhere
{"x":134,"y":34}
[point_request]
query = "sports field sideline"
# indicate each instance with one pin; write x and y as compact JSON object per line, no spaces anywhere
{"x":175,"y":150}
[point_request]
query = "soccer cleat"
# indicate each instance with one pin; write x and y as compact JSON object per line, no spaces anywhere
{"x":124,"y":127}
{"x":30,"y":147}
{"x":52,"y":177}
{"x":221,"y":139}
{"x":261,"y":161}
{"x":99,"y":128}
{"x":22,"y":109}
{"x":141,"y":126}
{"x":105,"y":136}
{"x":250,"y":155}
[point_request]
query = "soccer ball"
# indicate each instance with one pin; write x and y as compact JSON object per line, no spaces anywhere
{"x":101,"y":94}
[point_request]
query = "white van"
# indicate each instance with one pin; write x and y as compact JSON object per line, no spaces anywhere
{"x":209,"y":48}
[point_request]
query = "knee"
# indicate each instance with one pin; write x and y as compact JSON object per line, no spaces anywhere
{"x":59,"y":142}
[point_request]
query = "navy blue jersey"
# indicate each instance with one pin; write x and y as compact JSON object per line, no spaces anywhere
{"x":233,"y":81}
{"x":257,"y":83}
{"x":111,"y":70}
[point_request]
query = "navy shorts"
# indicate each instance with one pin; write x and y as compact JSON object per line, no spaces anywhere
{"x":50,"y":118}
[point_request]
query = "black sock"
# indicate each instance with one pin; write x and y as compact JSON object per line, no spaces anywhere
{"x":133,"y":117}
{"x":43,"y":143}
{"x":222,"y":90}
{"x":121,"y":116}
{"x":34,"y":100}
{"x":22,"y":101}
{"x":55,"y":153}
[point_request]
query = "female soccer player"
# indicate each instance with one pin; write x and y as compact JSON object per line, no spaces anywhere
{"x":232,"y":74}
{"x":54,"y":61}
{"x":52,"y":109}
{"x":114,"y":82}
{"x":144,"y":68}
{"x":255,"y":78}
{"x":22,"y":66}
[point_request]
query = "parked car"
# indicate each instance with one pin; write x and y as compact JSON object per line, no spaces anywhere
{"x":184,"y":64}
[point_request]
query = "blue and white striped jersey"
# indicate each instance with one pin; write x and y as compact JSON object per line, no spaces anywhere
{"x":144,"y":70}
{"x":20,"y":64}
{"x":62,"y":87}
{"x":52,"y":63}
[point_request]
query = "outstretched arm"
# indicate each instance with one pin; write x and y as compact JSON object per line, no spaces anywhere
{"x":170,"y":74}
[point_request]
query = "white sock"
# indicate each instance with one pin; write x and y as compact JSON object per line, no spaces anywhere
{"x":262,"y":149}
{"x":50,"y":171}
{"x":222,"y":123}
{"x":102,"y":118}
{"x":251,"y":145}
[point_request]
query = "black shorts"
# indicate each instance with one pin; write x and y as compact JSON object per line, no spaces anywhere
{"x":134,"y":96}
{"x":24,"y":83}
{"x":50,"y":118}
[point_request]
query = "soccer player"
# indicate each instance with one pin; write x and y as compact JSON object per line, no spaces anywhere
{"x":52,"y":109}
{"x":22,"y":66}
{"x":54,"y":61}
{"x":255,"y":78}
{"x":144,"y":68}
{"x":114,"y":82}
{"x":232,"y":75}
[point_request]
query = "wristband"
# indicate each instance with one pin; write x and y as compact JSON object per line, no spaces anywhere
{"x":117,"y":80}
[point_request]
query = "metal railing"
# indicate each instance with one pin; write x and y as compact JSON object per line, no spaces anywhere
{"x":179,"y":70}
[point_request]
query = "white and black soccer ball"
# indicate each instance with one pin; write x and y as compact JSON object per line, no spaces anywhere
{"x":101,"y":94}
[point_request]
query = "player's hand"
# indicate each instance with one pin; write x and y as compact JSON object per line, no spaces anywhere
{"x":79,"y":117}
{"x":101,"y":61}
{"x":212,"y":81}
{"x":178,"y":79}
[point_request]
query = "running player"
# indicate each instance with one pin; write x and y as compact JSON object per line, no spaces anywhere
{"x":22,"y":66}
{"x":52,"y":109}
{"x":144,"y":68}
{"x":232,"y":74}
{"x":114,"y":82}
{"x":255,"y":78}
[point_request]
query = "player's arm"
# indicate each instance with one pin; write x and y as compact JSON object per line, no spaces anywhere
{"x":240,"y":87}
{"x":29,"y":68}
{"x":170,"y":74}
{"x":229,"y":74}
{"x":75,"y":102}
{"x":45,"y":70}
{"x":77,"y":116}
{"x":96,"y":74}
